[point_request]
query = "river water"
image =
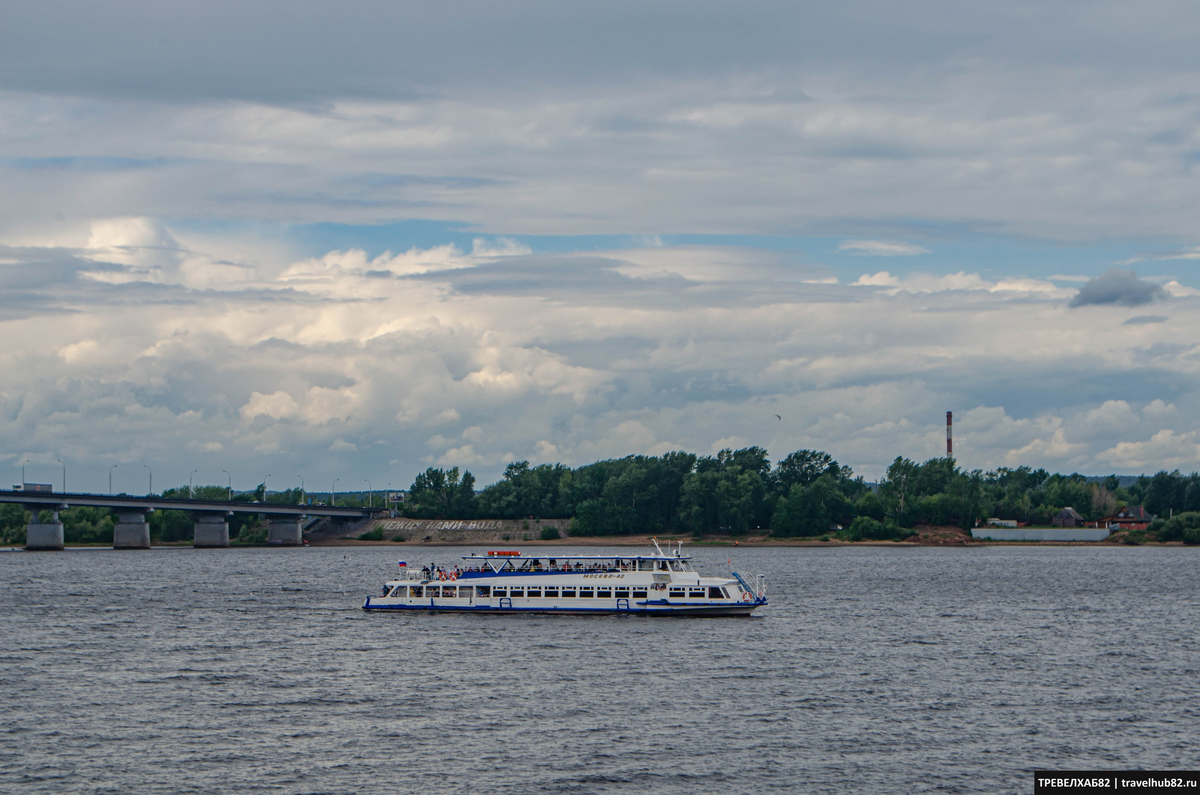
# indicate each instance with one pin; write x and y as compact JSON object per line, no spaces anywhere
{"x":873,"y":669}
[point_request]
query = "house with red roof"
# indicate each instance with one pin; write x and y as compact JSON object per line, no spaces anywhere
{"x":1132,"y":517}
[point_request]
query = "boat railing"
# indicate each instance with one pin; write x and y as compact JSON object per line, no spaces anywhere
{"x":754,"y":584}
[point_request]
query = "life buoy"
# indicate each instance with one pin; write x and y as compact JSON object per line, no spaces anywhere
{"x":745,"y":597}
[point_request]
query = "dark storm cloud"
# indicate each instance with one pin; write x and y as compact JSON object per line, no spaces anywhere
{"x":1122,"y":288}
{"x":311,"y":51}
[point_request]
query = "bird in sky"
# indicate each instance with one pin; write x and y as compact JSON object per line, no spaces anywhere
{"x":779,"y":418}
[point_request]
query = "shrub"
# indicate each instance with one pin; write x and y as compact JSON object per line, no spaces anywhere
{"x":550,"y":533}
{"x":251,"y":534}
{"x":399,"y":538}
{"x":1176,"y":527}
{"x":1191,"y":535}
{"x":372,"y":535}
{"x":864,"y":528}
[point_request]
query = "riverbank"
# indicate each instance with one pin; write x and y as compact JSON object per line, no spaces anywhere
{"x":506,"y":533}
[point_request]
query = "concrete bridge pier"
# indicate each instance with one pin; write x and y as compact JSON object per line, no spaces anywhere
{"x":285,"y":530}
{"x":43,"y":535}
{"x":212,"y":530}
{"x":131,"y":531}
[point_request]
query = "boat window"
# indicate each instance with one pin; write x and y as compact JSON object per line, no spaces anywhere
{"x":604,"y":593}
{"x":664,"y":566}
{"x":398,"y":591}
{"x":416,"y":591}
{"x":499,"y":592}
{"x":585,"y":593}
{"x":715,"y":593}
{"x":645,"y":565}
{"x":483,"y":590}
{"x":724,"y":593}
{"x":516,"y":591}
{"x":464,"y":592}
{"x":534,"y":593}
{"x":551,"y":593}
{"x":568,"y":593}
{"x":622,"y":593}
{"x":678,"y":592}
{"x":639,"y":594}
{"x":696,"y":593}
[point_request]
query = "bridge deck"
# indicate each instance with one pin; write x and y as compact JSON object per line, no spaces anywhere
{"x":54,"y":500}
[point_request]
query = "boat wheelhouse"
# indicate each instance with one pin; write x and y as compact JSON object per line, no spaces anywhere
{"x":505,"y":581}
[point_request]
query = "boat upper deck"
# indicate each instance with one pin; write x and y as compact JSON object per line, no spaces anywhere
{"x":511,"y":562}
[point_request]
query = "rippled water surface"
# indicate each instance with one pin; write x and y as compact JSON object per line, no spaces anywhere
{"x":889,"y":669}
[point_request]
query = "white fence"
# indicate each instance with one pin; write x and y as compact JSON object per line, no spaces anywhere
{"x":1041,"y":533}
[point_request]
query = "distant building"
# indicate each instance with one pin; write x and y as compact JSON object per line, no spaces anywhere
{"x":1134,"y":517}
{"x":1067,"y":517}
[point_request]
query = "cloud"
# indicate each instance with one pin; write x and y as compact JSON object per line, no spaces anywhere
{"x":277,"y":405}
{"x":591,"y":255}
{"x":881,"y":279}
{"x":1117,"y":287}
{"x":877,"y":248}
{"x":1143,"y":320}
{"x":1166,"y":449}
{"x":935,"y":283}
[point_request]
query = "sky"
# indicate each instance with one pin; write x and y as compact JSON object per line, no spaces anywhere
{"x":310,"y":242}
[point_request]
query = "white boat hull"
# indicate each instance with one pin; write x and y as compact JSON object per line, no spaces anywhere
{"x":383,"y":605}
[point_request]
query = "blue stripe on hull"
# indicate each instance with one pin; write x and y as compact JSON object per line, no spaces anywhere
{"x":691,"y":610}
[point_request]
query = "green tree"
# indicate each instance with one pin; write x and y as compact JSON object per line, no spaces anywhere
{"x":441,"y":494}
{"x":13,"y":519}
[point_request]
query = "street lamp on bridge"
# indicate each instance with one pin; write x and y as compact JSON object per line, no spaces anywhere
{"x":150,"y":492}
{"x":64,"y":466}
{"x":370,"y":493}
{"x":110,"y":469}
{"x":301,"y":488}
{"x":190,"y":495}
{"x":226,"y":471}
{"x":333,"y":492}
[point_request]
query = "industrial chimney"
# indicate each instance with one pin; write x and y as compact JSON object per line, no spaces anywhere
{"x":949,"y":434}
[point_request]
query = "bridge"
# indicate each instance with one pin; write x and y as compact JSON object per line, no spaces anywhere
{"x":132,"y":531}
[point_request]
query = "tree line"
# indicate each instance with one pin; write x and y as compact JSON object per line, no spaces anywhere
{"x":735,"y":492}
{"x":806,"y":494}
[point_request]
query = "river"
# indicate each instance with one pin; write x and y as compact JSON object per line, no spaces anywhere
{"x":873,"y":669}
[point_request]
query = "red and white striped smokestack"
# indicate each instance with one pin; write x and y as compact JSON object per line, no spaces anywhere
{"x":949,"y":434}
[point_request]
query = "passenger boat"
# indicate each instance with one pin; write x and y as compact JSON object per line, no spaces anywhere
{"x":505,"y":581}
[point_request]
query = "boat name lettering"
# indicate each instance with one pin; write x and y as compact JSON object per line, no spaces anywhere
{"x":603,"y":576}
